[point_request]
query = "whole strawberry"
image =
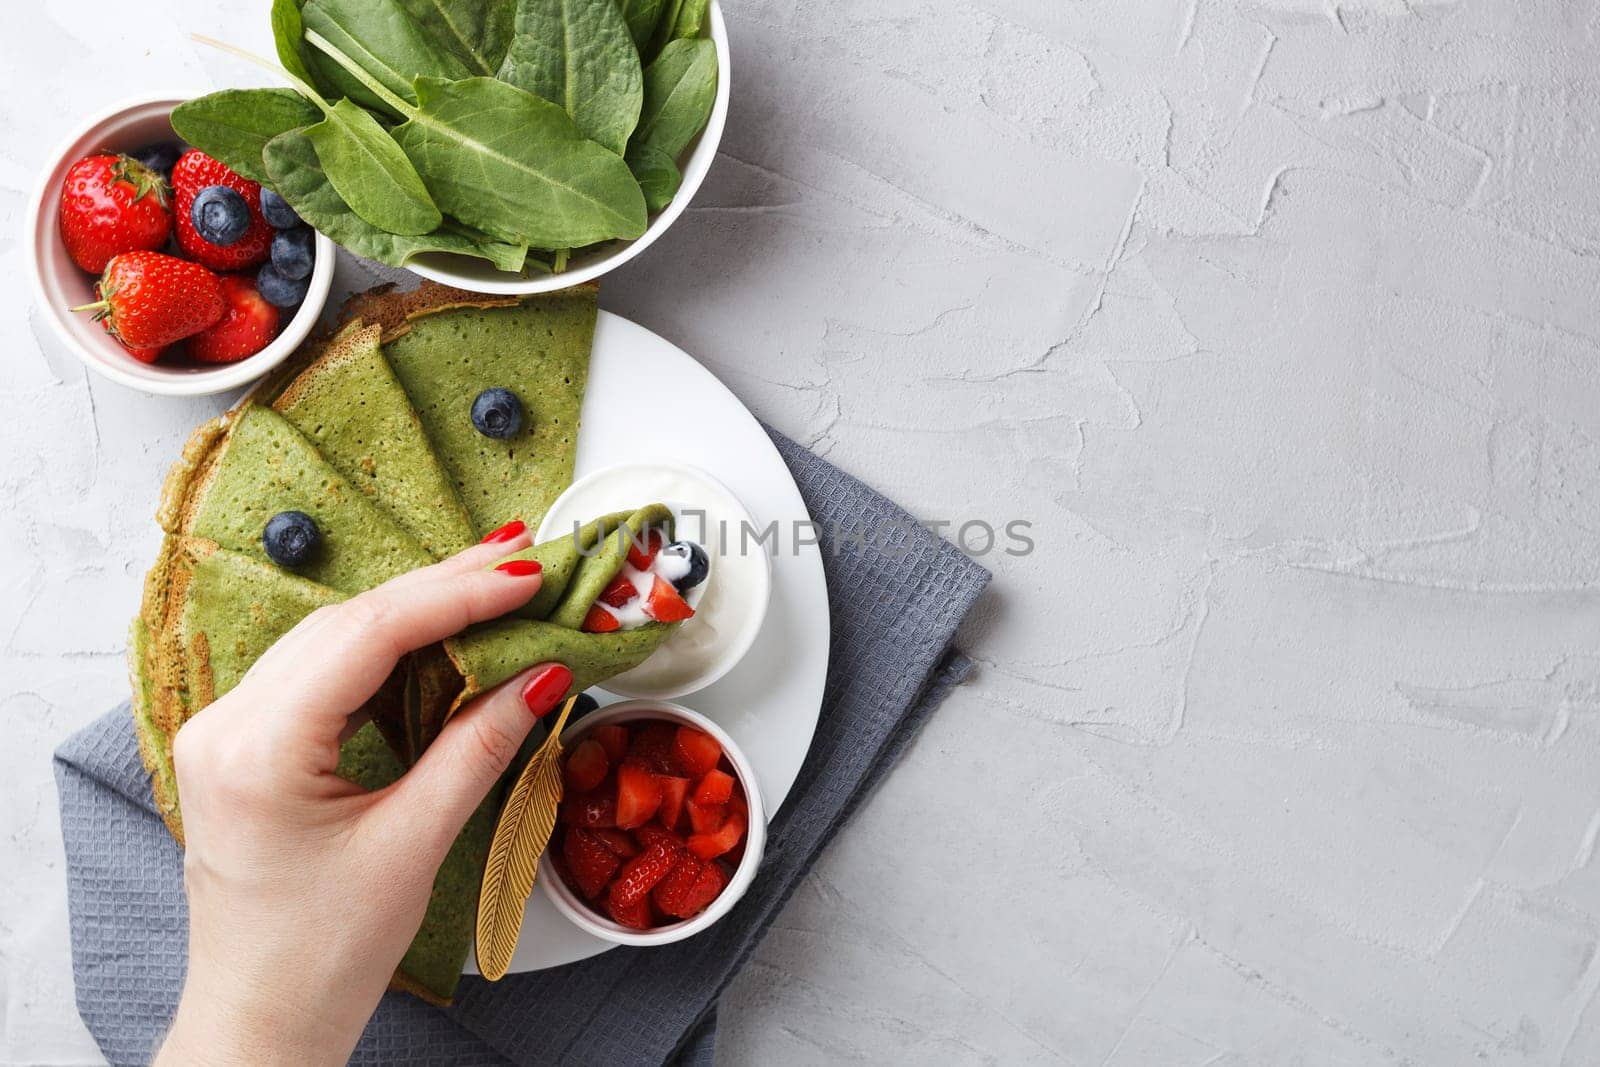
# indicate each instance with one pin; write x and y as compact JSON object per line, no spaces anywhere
{"x":196,"y":171}
{"x":143,"y":355}
{"x":112,"y":204}
{"x":148,"y":300}
{"x":245,"y":328}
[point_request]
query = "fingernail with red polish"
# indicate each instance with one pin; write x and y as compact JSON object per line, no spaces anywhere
{"x":520,"y":568}
{"x":511,"y":530}
{"x":544,"y":690}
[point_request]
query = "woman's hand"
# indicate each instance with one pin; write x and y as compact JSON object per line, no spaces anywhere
{"x":305,"y":890}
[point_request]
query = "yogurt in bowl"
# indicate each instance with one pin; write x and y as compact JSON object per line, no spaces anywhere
{"x":729,"y":605}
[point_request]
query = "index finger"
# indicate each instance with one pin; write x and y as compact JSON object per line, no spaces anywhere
{"x":338,"y":657}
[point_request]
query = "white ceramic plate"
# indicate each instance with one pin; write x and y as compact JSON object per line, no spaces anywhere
{"x":647,"y":398}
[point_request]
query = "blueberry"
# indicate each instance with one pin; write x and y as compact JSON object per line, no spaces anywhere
{"x":699,"y":563}
{"x":497,"y":413}
{"x":159,"y":156}
{"x":293,"y":252}
{"x":276,"y":210}
{"x":584,"y":706}
{"x":279,"y":291}
{"x":291,"y":538}
{"x":219,"y":214}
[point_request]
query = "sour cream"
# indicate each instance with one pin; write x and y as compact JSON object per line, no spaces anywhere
{"x":729,"y":605}
{"x":634,"y":613}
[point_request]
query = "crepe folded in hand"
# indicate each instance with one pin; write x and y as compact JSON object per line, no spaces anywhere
{"x":577,"y":567}
{"x":370,"y":434}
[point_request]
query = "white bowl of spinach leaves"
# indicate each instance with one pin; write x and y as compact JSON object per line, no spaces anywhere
{"x":503,"y":146}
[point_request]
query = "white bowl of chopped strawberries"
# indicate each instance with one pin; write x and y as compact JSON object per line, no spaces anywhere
{"x":661,"y":826}
{"x":162,"y":269}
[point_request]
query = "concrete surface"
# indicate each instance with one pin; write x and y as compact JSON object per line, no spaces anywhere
{"x":1278,"y":320}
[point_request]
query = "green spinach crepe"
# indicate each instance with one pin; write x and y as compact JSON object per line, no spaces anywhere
{"x":384,"y":453}
{"x":577,"y":567}
{"x":222,"y":611}
{"x":369,"y":434}
{"x":539,"y":351}
{"x":258,"y":465}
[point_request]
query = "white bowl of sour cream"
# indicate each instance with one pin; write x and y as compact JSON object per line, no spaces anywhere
{"x":729,"y":606}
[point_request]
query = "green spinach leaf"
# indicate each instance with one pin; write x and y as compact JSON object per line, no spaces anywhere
{"x":679,"y":89}
{"x":579,"y":54}
{"x":234,"y":125}
{"x":515,"y":166}
{"x":298,"y":177}
{"x":641,"y":17}
{"x":691,"y":19}
{"x":370,"y":171}
{"x":287,"y":31}
{"x":360,"y":157}
{"x":657,"y":174}
{"x":477,"y":32}
{"x":383,"y":40}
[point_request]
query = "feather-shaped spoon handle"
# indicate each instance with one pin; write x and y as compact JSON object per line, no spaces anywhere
{"x":526,"y":821}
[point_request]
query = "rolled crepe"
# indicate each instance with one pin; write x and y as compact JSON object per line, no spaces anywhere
{"x":577,"y":567}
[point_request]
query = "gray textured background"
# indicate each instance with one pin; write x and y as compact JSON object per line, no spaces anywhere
{"x":1278,"y":320}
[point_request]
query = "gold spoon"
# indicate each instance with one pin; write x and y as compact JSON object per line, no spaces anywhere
{"x":526,"y":821}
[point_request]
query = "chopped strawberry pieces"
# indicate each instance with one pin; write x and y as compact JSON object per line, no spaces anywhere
{"x":638,"y":795}
{"x":635,"y":916}
{"x":587,"y":766}
{"x":670,"y":896}
{"x":714,"y":789}
{"x":654,"y":745}
{"x":600,"y":621}
{"x":707,"y":887}
{"x":650,"y":833}
{"x":673,"y":793}
{"x":614,"y":739}
{"x":619,"y":592}
{"x":653,"y":824}
{"x":665,"y":605}
{"x":706,"y":818}
{"x":590,"y":809}
{"x":592,"y":864}
{"x":620,"y":842}
{"x":723,"y":838}
{"x":642,"y":550}
{"x":640,"y":874}
{"x":697,"y":750}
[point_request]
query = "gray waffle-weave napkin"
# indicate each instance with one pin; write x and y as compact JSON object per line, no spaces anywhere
{"x":894,"y":610}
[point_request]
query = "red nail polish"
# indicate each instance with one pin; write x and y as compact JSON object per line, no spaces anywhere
{"x":520,"y":568}
{"x":545,"y":689}
{"x":513,"y":529}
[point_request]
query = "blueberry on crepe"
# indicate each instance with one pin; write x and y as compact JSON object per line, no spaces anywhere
{"x":497,"y":413}
{"x":291,"y":538}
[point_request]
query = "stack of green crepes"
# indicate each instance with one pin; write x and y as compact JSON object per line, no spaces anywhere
{"x":370,"y":434}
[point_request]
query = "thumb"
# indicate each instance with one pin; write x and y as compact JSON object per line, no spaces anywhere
{"x":474,"y":749}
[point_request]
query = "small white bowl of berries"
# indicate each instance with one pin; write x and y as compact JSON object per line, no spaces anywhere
{"x":162,"y":269}
{"x":661,"y":827}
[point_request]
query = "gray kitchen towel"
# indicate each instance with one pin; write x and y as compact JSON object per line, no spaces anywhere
{"x":897,"y":594}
